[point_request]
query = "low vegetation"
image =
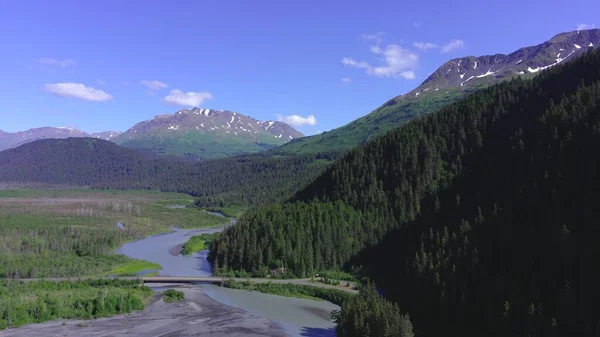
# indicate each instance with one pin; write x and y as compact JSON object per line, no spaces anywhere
{"x":337,"y":275}
{"x":292,"y":290}
{"x":66,"y":233}
{"x":133,"y":268}
{"x":230,"y":212}
{"x":172,"y":295}
{"x":198,"y":243}
{"x":35,"y":302}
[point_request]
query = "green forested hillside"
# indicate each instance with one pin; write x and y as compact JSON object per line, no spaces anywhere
{"x":76,"y":161}
{"x":241,"y":181}
{"x":491,"y":205}
{"x":394,"y":113}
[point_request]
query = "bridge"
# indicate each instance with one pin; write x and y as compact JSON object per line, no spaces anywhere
{"x":344,"y":286}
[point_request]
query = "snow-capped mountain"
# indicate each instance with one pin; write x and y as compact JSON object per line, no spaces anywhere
{"x":106,"y":135}
{"x":471,"y":71}
{"x":195,"y":133}
{"x":453,"y":80}
{"x":215,"y":121}
{"x":206,"y":133}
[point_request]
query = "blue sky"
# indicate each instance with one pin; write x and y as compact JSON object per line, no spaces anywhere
{"x":106,"y":65}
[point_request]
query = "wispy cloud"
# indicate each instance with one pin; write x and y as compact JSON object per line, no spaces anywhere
{"x":154,"y":85}
{"x":452,"y":45}
{"x":77,"y":90}
{"x":584,"y":26}
{"x":397,"y":62}
{"x":297,"y":120}
{"x":425,"y":46}
{"x":346,"y":80}
{"x":55,"y":62}
{"x":372,"y":37}
{"x":190,"y":98}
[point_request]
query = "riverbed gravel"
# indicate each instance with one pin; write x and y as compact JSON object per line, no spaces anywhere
{"x":196,"y":315}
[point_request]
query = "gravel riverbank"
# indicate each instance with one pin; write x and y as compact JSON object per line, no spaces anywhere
{"x":196,"y":315}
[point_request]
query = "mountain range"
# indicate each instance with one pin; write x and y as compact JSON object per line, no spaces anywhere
{"x":9,"y":140}
{"x":453,"y":80}
{"x":196,"y":133}
{"x":207,"y":133}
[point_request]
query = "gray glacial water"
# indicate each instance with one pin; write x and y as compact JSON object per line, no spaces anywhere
{"x":298,"y":317}
{"x":156,"y":249}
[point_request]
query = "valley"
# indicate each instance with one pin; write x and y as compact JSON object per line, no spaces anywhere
{"x":466,"y":206}
{"x":140,"y":214}
{"x":62,"y":233}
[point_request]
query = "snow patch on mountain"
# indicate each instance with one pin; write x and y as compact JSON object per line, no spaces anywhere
{"x":467,"y":80}
{"x":488,"y":73}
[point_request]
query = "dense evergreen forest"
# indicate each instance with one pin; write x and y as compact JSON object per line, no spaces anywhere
{"x":487,"y":211}
{"x":241,"y":181}
{"x":368,"y":315}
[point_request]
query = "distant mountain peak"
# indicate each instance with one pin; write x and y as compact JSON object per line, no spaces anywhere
{"x":473,"y":71}
{"x":211,"y":120}
{"x":13,"y":139}
{"x":452,"y":80}
{"x":195,"y":128}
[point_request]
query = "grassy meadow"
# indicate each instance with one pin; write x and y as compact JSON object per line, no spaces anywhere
{"x":61,"y":233}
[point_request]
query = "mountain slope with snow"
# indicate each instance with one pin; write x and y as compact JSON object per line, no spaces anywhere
{"x":454,"y":79}
{"x":206,"y":133}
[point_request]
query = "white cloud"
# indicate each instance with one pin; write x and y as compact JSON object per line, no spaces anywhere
{"x":77,"y":90}
{"x":298,"y":120}
{"x":453,"y":44}
{"x":397,"y":62}
{"x":346,"y":79}
{"x":372,"y":37}
{"x":424,"y":46}
{"x":376,"y":49}
{"x":55,"y":62}
{"x":584,"y":26}
{"x":190,"y":98}
{"x":154,"y":85}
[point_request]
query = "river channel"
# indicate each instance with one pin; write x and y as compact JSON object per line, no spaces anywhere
{"x":298,"y":317}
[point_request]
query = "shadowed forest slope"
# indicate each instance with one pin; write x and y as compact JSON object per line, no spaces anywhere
{"x":489,"y":207}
